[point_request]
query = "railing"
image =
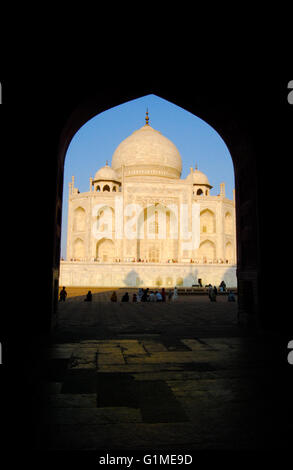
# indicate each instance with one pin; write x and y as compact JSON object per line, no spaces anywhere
{"x":129,"y":261}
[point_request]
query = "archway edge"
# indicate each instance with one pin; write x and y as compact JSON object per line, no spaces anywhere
{"x":220,"y":117}
{"x":230,"y":120}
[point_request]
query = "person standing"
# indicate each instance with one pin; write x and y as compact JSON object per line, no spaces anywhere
{"x":63,"y":295}
{"x":175,"y":294}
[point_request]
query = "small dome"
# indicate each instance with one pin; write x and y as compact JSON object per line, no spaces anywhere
{"x":199,"y":178}
{"x":106,"y":173}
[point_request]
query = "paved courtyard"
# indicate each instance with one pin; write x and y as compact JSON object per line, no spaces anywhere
{"x":161,"y":376}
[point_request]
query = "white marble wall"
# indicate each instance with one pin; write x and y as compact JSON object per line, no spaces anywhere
{"x":144,"y":275}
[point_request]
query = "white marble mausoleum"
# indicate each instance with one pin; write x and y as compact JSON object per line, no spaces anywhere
{"x":141,"y":225}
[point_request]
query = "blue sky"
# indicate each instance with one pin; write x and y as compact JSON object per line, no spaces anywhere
{"x":96,"y":141}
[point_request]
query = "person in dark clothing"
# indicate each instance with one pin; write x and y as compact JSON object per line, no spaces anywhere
{"x":125,"y":297}
{"x":88,"y":297}
{"x":63,"y":295}
{"x":223,"y":285}
{"x":144,"y":295}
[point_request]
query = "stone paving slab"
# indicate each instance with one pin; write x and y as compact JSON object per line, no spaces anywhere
{"x":157,"y":377}
{"x":178,"y":385}
{"x":159,"y":436}
{"x":94,"y":416}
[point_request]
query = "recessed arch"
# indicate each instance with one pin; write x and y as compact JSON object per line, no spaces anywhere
{"x":207,"y":221}
{"x":105,"y":250}
{"x":207,"y":251}
{"x":79,"y":215}
{"x":229,"y":255}
{"x":78,"y":249}
{"x":228,"y":223}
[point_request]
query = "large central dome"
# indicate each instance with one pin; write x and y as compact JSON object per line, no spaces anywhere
{"x":146,"y":152}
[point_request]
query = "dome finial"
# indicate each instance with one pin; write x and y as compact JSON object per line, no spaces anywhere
{"x":106,"y":162}
{"x":147,"y":117}
{"x":196,"y":166}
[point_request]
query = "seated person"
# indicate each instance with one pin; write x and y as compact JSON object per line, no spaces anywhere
{"x":125,"y":297}
{"x":159,"y":297}
{"x":113,"y":297}
{"x":152,"y":297}
{"x":88,"y":297}
{"x":231,"y":297}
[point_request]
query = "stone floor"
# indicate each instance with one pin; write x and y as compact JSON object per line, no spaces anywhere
{"x":161,"y":376}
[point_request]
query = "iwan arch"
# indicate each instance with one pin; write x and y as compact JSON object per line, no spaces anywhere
{"x":134,"y":226}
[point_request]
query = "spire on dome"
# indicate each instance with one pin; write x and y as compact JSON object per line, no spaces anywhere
{"x":147,"y":118}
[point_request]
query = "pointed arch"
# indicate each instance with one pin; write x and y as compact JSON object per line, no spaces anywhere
{"x":78,"y":249}
{"x":228,"y":223}
{"x":207,"y":251}
{"x":79,"y":219}
{"x":207,"y":221}
{"x":105,"y":250}
{"x":229,"y":252}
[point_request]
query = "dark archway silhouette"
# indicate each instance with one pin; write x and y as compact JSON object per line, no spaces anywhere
{"x":252,"y":115}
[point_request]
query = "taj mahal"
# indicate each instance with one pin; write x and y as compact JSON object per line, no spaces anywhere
{"x":141,"y":225}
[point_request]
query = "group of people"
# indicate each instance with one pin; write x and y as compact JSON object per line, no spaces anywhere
{"x":147,"y":295}
{"x":213,"y":292}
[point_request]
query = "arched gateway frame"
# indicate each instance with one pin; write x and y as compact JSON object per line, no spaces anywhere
{"x":242,"y":154}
